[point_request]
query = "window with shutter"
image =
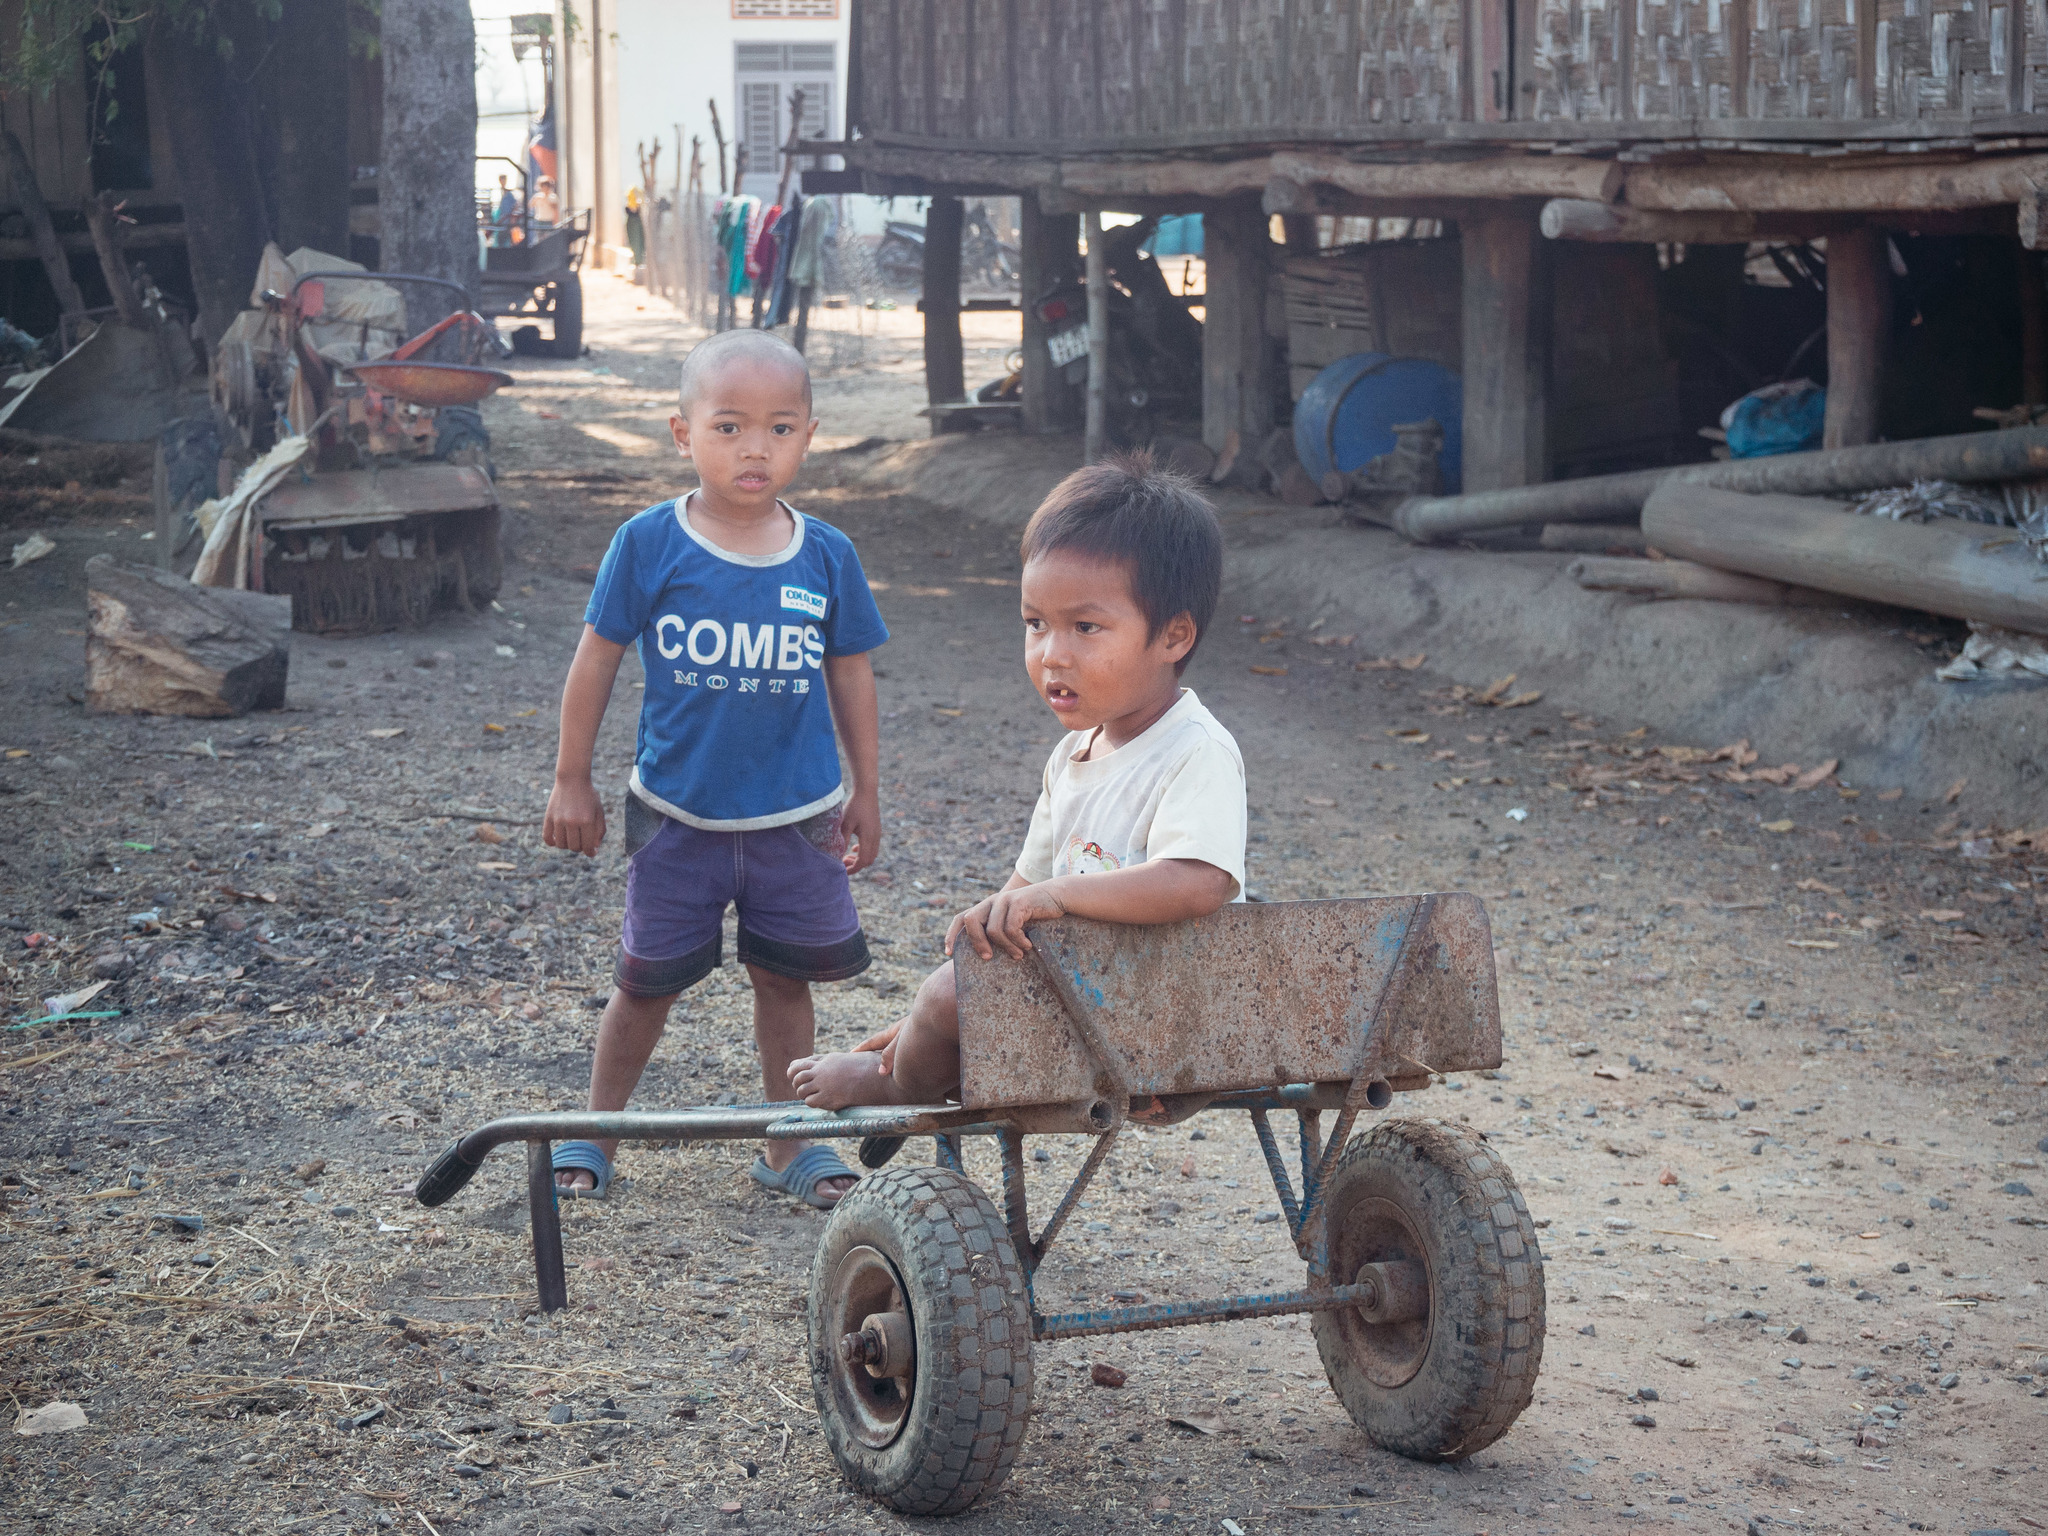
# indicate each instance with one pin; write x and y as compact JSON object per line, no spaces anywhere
{"x":765,"y":74}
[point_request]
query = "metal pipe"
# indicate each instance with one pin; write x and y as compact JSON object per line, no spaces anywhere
{"x":1065,"y":1208}
{"x":743,"y":1122}
{"x":1096,"y":438}
{"x":1184,"y":1314}
{"x":1281,"y":1187}
{"x":543,"y":1203}
{"x":2011,"y":454}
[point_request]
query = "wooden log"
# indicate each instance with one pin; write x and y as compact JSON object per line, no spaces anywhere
{"x":1184,"y":456}
{"x":1962,"y":570}
{"x":1492,"y":176}
{"x":1576,"y":219}
{"x":1162,"y":178}
{"x":1581,"y":219}
{"x":1283,"y":196}
{"x":1506,"y":349}
{"x":945,"y":368}
{"x":157,"y":645}
{"x":1683,"y":578}
{"x":1593,"y":538}
{"x":2015,"y":454}
{"x":1757,"y":185}
{"x":1859,"y":298}
{"x":29,"y":193}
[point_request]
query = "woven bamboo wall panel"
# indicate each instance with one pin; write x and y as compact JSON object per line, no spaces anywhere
{"x":1100,"y":74}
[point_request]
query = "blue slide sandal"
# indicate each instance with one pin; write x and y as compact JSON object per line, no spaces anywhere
{"x":587,"y":1157}
{"x":806,"y":1171}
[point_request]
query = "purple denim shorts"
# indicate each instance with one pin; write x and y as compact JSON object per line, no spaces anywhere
{"x":796,"y":911}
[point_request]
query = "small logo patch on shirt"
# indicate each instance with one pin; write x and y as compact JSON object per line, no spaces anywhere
{"x":804,"y":601}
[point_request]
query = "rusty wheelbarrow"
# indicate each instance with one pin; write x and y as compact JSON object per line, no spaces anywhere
{"x":1424,"y":1279}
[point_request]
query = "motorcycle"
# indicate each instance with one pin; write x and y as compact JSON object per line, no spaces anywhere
{"x":1155,"y":345}
{"x":985,"y":260}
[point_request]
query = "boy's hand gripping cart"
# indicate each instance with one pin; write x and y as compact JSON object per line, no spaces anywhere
{"x":1424,"y":1280}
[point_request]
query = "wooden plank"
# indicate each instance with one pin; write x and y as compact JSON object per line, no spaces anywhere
{"x":990,"y":80}
{"x":1072,"y":44}
{"x":913,"y":57}
{"x":952,"y":43}
{"x":1206,"y":73}
{"x":1117,"y":82}
{"x":1037,"y":117}
{"x":1257,"y":86}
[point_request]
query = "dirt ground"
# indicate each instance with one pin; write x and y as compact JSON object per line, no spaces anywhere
{"x":1772,"y":1083}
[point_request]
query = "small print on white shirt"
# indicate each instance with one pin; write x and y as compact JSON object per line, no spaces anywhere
{"x":1174,"y":791}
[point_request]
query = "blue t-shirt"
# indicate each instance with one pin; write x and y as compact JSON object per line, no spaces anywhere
{"x":736,"y":730}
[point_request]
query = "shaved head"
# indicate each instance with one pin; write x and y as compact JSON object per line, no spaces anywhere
{"x":760,"y":350}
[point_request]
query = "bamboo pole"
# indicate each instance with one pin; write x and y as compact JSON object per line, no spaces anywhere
{"x":1097,"y":434}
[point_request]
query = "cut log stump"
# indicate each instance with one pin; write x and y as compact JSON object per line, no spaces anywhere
{"x":158,"y":645}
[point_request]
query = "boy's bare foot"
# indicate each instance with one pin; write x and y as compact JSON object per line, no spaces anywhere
{"x":575,"y":1178}
{"x":838,"y":1079}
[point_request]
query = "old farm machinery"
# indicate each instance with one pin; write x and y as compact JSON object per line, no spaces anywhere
{"x":362,"y":478}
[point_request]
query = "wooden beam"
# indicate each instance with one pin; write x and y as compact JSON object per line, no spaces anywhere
{"x":1755,"y":185}
{"x":1163,"y":178}
{"x":1237,"y":375}
{"x":1047,"y":246}
{"x":1490,"y":176}
{"x":1506,"y":350}
{"x":1577,"y":219}
{"x":29,"y":194}
{"x":945,"y":377}
{"x":1859,"y":334}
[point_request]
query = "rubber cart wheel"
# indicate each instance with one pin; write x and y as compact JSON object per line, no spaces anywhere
{"x":920,"y":1340}
{"x":1447,"y":1359}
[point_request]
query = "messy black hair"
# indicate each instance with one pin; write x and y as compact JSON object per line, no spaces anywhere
{"x":1149,"y":520}
{"x":758,"y":347}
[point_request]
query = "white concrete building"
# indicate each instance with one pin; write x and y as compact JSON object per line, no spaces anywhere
{"x":633,"y":73}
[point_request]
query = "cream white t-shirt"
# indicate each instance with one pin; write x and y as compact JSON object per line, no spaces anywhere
{"x":1175,"y":791}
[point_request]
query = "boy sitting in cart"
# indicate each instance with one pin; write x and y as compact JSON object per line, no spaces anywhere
{"x":1141,"y":810}
{"x":753,"y":623}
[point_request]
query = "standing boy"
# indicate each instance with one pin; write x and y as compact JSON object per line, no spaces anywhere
{"x":1141,"y":810}
{"x":754,"y":623}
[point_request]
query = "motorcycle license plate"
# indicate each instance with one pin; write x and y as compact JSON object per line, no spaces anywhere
{"x":1068,"y":346}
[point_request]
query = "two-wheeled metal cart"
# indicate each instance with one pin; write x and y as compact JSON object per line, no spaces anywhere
{"x":1424,"y":1280}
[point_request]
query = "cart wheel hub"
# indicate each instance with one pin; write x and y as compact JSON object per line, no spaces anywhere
{"x":1389,"y":1333}
{"x":874,"y":1373}
{"x":884,"y":1345}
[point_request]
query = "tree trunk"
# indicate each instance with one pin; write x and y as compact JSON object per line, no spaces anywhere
{"x":202,"y":109}
{"x":426,"y":176}
{"x":309,"y":93}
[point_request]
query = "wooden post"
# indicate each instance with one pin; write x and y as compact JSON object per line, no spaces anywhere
{"x":1506,"y":353}
{"x":1096,"y":438}
{"x":945,"y":376}
{"x":1859,"y":333}
{"x":1237,"y":377}
{"x":718,"y":133}
{"x":30,"y":195}
{"x":1046,"y":249}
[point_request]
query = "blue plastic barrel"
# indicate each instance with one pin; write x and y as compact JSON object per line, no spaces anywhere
{"x":1347,"y":415}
